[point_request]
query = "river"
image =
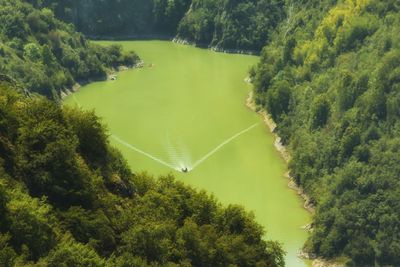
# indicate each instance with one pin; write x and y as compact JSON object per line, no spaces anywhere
{"x":185,"y":110}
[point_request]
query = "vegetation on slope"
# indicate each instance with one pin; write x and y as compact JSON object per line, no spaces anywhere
{"x":233,"y":24}
{"x":331,"y":80}
{"x":329,"y":77}
{"x":116,"y":18}
{"x":47,"y":55}
{"x":67,"y":198}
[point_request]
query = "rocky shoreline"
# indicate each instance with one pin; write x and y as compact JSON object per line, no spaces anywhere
{"x":282,"y":150}
{"x":316,"y":262}
{"x":129,"y":37}
{"x":111,"y":75}
{"x":215,"y":48}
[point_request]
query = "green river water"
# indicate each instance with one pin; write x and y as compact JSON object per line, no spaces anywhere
{"x":186,"y":109}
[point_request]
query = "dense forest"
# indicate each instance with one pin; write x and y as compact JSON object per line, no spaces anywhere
{"x":47,"y":55}
{"x":138,"y":18}
{"x":67,"y":198}
{"x":230,"y":25}
{"x":330,"y":78}
{"x":329,"y":75}
{"x":233,"y":25}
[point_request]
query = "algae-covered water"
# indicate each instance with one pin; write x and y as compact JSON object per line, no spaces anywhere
{"x":186,"y":110}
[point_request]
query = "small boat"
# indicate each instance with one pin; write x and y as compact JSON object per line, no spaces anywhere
{"x":185,"y":169}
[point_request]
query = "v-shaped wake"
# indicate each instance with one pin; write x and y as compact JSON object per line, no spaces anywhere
{"x":224,"y":143}
{"x":197,"y":163}
{"x":119,"y":140}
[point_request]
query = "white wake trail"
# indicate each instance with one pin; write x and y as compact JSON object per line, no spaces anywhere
{"x":119,"y":140}
{"x":209,"y":154}
{"x":174,"y":153}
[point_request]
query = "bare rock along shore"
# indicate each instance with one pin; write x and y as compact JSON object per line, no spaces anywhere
{"x":282,"y":150}
{"x":316,"y":262}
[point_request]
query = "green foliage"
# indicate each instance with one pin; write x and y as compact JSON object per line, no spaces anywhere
{"x":73,"y":254}
{"x":232,"y":25}
{"x":91,"y":226}
{"x":338,"y":62}
{"x":47,"y":160}
{"x":67,"y":198}
{"x":91,"y":136}
{"x":32,"y":52}
{"x":320,"y":112}
{"x":239,"y":25}
{"x":125,"y":17}
{"x":7,"y":253}
{"x":30,"y":225}
{"x":278,"y":99}
{"x":48,"y":56}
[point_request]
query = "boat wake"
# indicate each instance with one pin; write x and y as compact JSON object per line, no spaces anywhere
{"x":181,"y":161}
{"x":227,"y":141}
{"x":179,"y":155}
{"x":76,"y":100}
{"x":122,"y":142}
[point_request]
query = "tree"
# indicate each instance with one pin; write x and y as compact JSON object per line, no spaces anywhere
{"x":73,"y":254}
{"x":320,"y":112}
{"x":278,"y":99}
{"x":48,"y":57}
{"x":288,"y":50}
{"x":91,"y":227}
{"x":46,"y":156}
{"x":92,"y":138}
{"x":32,"y":52}
{"x":361,"y":251}
{"x":344,"y":81}
{"x":7,"y":253}
{"x":30,"y":225}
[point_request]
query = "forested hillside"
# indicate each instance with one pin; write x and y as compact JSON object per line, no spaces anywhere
{"x":138,"y":18}
{"x":231,"y":25}
{"x":67,"y":198}
{"x":46,"y":55}
{"x":330,"y":78}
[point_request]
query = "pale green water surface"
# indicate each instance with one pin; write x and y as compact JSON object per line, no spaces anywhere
{"x":188,"y":109}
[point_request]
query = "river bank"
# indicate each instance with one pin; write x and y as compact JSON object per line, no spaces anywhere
{"x":130,"y":37}
{"x":177,"y":131}
{"x":178,"y":40}
{"x":283,"y":152}
{"x":111,"y":75}
{"x":316,"y":262}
